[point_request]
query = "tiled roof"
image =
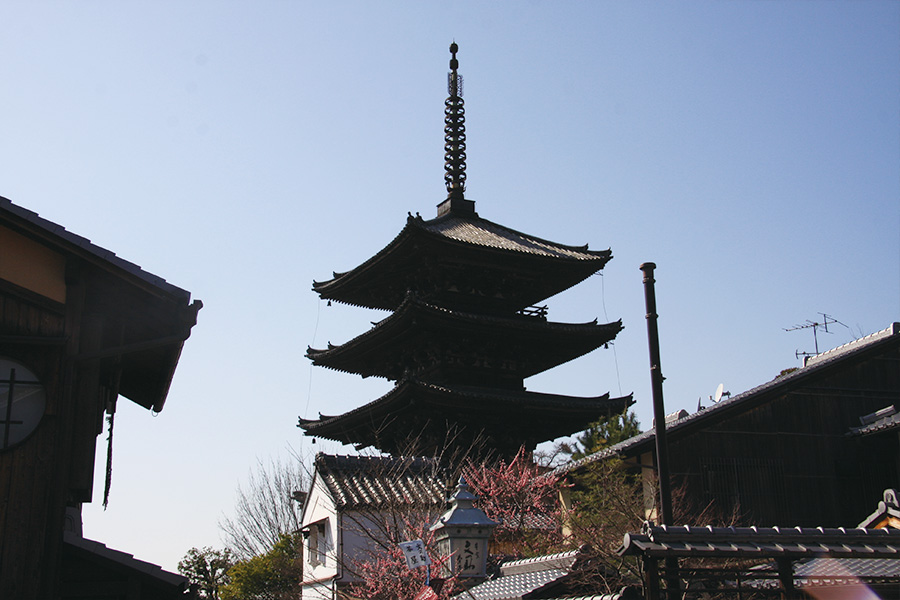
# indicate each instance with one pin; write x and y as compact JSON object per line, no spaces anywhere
{"x":560,"y":560}
{"x":481,"y":232}
{"x":763,"y":542}
{"x":537,"y":268}
{"x":514,"y":587}
{"x":845,"y":570}
{"x":536,"y":415}
{"x":826,"y":360}
{"x":889,"y":422}
{"x":828,"y":572}
{"x":522,"y":577}
{"x":624,"y":594}
{"x":521,"y":399}
{"x":894,"y":329}
{"x":375,"y":481}
{"x":84,"y":246}
{"x":126,"y":560}
{"x":549,"y":343}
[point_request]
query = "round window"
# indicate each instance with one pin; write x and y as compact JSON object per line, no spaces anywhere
{"x":22,"y":402}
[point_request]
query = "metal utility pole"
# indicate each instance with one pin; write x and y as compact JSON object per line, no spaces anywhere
{"x":659,"y":411}
{"x":659,"y":416}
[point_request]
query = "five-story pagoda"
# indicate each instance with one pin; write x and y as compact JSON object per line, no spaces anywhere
{"x":463,"y":333}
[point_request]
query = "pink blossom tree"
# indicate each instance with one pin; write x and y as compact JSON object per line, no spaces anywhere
{"x":523,"y":497}
{"x":385,"y":575}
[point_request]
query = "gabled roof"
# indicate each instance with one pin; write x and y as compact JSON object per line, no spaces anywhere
{"x":423,"y":408}
{"x":522,"y":269}
{"x":532,"y":344}
{"x":380,"y":481}
{"x":734,"y":405}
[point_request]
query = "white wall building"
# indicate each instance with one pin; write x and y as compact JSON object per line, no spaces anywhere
{"x":354,"y":501}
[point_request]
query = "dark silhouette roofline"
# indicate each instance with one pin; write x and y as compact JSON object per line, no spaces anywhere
{"x":644,"y":441}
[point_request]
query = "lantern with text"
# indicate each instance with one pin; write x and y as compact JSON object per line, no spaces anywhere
{"x":462,"y":533}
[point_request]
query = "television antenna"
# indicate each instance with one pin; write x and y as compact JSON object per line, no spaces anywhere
{"x":816,"y":326}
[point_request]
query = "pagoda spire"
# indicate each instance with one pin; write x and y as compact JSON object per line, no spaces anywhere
{"x":454,"y":132}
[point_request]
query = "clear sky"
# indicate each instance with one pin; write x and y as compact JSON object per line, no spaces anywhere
{"x":242,"y":150}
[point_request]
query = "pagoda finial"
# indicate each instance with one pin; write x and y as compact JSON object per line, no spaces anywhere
{"x":454,"y":131}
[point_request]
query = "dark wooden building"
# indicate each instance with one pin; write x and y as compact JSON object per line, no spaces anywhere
{"x":464,"y":331}
{"x":813,"y":448}
{"x":79,"y":327}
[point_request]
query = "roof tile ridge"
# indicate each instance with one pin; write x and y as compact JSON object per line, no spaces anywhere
{"x":891,"y":330}
{"x":410,"y":222}
{"x":799,"y":374}
{"x":86,"y":245}
{"x":467,"y":218}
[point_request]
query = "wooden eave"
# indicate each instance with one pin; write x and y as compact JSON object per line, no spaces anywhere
{"x":412,"y":404}
{"x":530,"y":268}
{"x":148,"y":319}
{"x":531,"y":343}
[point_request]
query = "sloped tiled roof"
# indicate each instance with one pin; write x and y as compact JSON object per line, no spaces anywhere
{"x":375,"y":481}
{"x":540,"y":268}
{"x":829,"y":572}
{"x":125,"y":560}
{"x":536,"y":416}
{"x":158,"y":316}
{"x":80,"y":245}
{"x":522,"y":577}
{"x":846,"y":570}
{"x":889,"y":422}
{"x":481,"y":232}
{"x":825,"y":361}
{"x":541,"y":343}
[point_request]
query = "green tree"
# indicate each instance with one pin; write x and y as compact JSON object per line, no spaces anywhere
{"x":604,"y":433}
{"x":274,"y":575}
{"x":207,"y":570}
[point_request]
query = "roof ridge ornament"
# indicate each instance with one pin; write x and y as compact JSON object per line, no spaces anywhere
{"x":454,"y":131}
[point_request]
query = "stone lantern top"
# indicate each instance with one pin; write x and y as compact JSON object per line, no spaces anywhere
{"x":462,"y":511}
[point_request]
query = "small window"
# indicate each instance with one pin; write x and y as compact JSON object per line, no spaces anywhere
{"x":316,"y":544}
{"x":22,"y":403}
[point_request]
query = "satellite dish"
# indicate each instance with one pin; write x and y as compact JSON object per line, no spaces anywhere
{"x":719,"y":391}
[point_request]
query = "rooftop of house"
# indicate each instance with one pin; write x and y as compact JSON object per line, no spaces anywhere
{"x":812,"y":368}
{"x":60,"y":236}
{"x":521,"y":577}
{"x":377,"y":481}
{"x":99,"y":554}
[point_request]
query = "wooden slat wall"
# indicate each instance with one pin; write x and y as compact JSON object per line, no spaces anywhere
{"x":826,"y":478}
{"x":31,"y":501}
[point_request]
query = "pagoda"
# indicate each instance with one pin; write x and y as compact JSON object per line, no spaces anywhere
{"x":464,"y":330}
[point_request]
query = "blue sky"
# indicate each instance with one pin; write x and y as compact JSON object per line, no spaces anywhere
{"x":242,"y":150}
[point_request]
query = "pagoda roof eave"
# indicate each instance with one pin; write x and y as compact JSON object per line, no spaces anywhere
{"x":538,"y":416}
{"x":456,"y":235}
{"x":555,"y":343}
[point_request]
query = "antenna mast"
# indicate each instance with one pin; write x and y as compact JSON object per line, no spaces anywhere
{"x":815,"y":326}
